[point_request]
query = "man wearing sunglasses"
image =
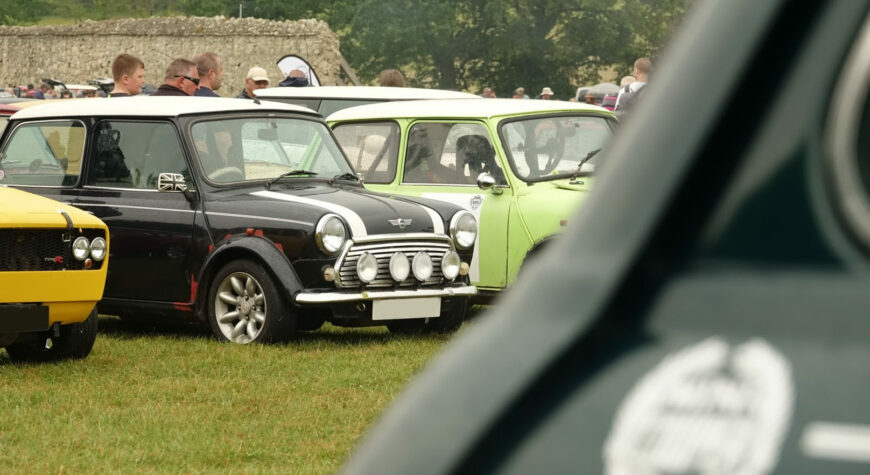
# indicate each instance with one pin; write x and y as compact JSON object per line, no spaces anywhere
{"x":181,"y":79}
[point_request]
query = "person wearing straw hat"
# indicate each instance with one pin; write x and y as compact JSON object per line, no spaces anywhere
{"x":546,"y":94}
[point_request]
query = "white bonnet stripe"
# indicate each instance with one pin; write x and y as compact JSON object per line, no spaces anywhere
{"x":437,"y":222}
{"x":357,"y":226}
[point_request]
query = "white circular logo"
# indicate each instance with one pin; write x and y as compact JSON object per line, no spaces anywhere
{"x":475,"y":202}
{"x":707,"y":409}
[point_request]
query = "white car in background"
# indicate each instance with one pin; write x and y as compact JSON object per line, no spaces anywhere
{"x":328,"y":99}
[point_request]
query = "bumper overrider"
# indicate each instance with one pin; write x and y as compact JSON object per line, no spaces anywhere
{"x":393,"y":267}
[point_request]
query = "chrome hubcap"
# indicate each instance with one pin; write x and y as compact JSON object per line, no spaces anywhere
{"x":240,"y":307}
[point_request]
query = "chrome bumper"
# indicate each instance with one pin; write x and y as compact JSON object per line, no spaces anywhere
{"x":337,"y":297}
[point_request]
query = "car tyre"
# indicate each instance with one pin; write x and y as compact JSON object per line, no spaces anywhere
{"x":453,"y":314}
{"x":75,"y":342}
{"x":414,"y":326}
{"x":245,"y":305}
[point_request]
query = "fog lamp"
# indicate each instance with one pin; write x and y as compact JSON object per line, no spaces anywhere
{"x":367,"y":268}
{"x":422,"y":266}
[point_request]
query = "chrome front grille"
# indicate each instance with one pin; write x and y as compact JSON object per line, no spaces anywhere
{"x":383,"y":250}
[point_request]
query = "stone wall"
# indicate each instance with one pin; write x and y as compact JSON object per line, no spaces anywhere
{"x":76,"y":54}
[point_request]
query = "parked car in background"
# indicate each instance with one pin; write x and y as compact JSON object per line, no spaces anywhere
{"x":522,"y":167}
{"x":244,"y":215}
{"x":53,"y":261}
{"x":6,"y":110}
{"x":706,"y":312}
{"x":329,"y":99}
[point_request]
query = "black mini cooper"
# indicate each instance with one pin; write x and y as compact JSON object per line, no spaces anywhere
{"x":242,"y":213}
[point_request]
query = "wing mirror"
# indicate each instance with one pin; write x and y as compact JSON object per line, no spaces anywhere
{"x":485,"y":181}
{"x":174,"y":182}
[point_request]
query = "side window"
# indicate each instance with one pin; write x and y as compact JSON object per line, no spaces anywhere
{"x":373,"y":149}
{"x":453,"y":154}
{"x":134,"y":154}
{"x":44,"y":154}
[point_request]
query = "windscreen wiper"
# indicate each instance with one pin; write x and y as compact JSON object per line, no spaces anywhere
{"x":344,"y":176}
{"x":290,"y":173}
{"x":585,"y":159}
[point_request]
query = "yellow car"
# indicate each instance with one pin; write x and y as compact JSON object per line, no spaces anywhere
{"x":53,"y":261}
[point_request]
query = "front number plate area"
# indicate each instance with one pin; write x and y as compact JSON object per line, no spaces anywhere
{"x":23,"y":318}
{"x":399,"y":309}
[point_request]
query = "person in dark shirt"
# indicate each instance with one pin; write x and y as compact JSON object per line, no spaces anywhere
{"x":181,"y":79}
{"x":211,"y":74}
{"x":256,"y":79}
{"x":296,"y":78}
{"x":128,"y":72}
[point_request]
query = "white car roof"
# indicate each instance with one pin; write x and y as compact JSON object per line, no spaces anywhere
{"x":361,"y":92}
{"x":150,"y":106}
{"x":467,"y":108}
{"x":80,"y":87}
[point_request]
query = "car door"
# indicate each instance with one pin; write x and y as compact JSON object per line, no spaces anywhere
{"x":442,"y":160}
{"x":135,"y":173}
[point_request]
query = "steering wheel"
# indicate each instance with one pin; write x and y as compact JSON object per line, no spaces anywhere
{"x":226,"y":174}
{"x":557,"y":148}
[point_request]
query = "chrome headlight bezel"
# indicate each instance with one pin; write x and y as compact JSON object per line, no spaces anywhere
{"x":98,"y":249}
{"x":330,"y":234}
{"x":463,"y":230}
{"x":81,"y":248}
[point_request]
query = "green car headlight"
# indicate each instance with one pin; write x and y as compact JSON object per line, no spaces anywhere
{"x":463,"y":229}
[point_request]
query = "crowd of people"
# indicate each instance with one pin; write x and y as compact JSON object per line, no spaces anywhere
{"x":629,"y":89}
{"x":203,"y":75}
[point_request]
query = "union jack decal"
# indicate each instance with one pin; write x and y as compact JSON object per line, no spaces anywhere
{"x":171,"y":182}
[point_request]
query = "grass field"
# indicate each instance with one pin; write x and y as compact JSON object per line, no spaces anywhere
{"x":176,"y":400}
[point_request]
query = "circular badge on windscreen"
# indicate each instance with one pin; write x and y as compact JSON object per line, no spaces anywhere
{"x":709,"y":409}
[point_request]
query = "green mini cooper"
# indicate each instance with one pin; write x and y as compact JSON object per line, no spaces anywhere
{"x":521,"y":166}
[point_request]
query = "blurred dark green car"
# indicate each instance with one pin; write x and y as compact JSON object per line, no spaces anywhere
{"x":706,"y":312}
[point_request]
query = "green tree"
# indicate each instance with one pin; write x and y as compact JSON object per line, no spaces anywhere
{"x":453,"y":44}
{"x":506,"y":43}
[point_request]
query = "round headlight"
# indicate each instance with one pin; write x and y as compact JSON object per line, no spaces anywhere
{"x":98,"y":249}
{"x":399,"y":267}
{"x":81,"y":248}
{"x":330,"y":234}
{"x":367,"y":268}
{"x":422,"y":266}
{"x":450,"y":265}
{"x":463,"y":229}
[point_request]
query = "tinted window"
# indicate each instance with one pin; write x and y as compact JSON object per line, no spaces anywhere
{"x":328,"y":106}
{"x":134,"y":154}
{"x":449,"y":153}
{"x":373,"y":149}
{"x":551,"y":147}
{"x":44,"y":153}
{"x":255,"y":148}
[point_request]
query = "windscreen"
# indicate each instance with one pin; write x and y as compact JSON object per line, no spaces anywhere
{"x":263,"y":148}
{"x":545,"y":148}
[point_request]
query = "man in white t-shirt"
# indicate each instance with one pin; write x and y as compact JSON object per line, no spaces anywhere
{"x":641,"y":72}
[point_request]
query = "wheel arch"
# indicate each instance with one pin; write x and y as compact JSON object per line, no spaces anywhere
{"x":257,"y":249}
